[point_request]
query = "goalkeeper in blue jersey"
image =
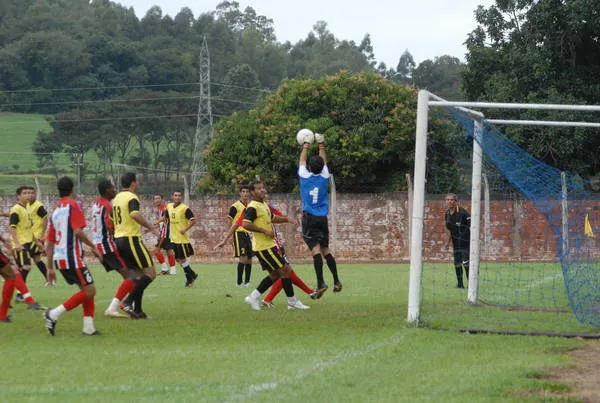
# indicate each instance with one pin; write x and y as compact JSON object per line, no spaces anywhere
{"x":314,"y":181}
{"x":458,"y":223}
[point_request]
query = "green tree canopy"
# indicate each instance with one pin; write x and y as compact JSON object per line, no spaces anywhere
{"x":540,"y":51}
{"x":368,"y":123}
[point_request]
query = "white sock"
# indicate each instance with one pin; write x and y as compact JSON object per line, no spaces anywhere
{"x":88,"y":324}
{"x":292,"y":300}
{"x":114,"y":305}
{"x":56,"y":312}
{"x":165,"y":267}
{"x":255,"y":294}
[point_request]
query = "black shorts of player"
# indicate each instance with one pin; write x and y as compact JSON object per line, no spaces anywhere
{"x":34,"y":250}
{"x":242,"y":244}
{"x":133,"y":252}
{"x":461,"y":257}
{"x":271,"y":259}
{"x":315,"y":230}
{"x":183,"y":250}
{"x":112,"y":261}
{"x":4,"y":260}
{"x":23,"y":257}
{"x":164,"y":243}
{"x":80,"y":276}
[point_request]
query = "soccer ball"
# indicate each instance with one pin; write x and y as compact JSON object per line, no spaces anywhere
{"x":305,"y":136}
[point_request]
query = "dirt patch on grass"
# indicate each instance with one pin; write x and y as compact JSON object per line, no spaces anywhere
{"x":582,"y":376}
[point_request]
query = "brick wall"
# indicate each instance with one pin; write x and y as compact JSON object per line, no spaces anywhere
{"x":368,"y":228}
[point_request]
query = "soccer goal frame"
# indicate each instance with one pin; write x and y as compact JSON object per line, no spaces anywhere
{"x":426,"y":100}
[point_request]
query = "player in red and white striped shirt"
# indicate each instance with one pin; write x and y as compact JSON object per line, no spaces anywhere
{"x":64,"y":250}
{"x":102,"y":237}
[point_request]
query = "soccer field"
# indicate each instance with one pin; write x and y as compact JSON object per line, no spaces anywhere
{"x":205,"y":344}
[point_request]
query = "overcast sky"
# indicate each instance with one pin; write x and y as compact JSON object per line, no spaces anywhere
{"x":427,"y":28}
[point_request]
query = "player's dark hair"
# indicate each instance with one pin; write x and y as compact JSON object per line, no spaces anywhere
{"x":252,"y":185}
{"x":20,"y":190}
{"x":64,"y":186}
{"x":177,"y":191}
{"x":453,"y":195}
{"x":103,"y":186}
{"x":159,"y":195}
{"x":316,"y":164}
{"x":127,"y":179}
{"x":244,"y":186}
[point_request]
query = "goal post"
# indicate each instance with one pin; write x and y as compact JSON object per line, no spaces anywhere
{"x":567,"y":256}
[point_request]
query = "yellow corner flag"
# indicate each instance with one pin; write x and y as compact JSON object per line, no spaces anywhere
{"x":588,"y":227}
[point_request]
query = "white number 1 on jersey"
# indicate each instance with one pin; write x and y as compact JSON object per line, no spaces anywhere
{"x":315,"y":194}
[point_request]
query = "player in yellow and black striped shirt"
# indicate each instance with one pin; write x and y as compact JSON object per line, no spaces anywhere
{"x":242,"y":242}
{"x":128,"y":221}
{"x":21,"y":231}
{"x":180,"y":219}
{"x":259,"y":219}
{"x":39,"y":220}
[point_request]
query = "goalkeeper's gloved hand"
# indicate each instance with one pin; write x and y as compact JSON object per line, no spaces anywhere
{"x":320,"y":138}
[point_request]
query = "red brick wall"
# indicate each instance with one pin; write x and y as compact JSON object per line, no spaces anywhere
{"x":369,"y":228}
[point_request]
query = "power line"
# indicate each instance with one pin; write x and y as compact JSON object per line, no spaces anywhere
{"x":98,"y":101}
{"x":124,"y":87}
{"x":109,"y":118}
{"x":123,"y":100}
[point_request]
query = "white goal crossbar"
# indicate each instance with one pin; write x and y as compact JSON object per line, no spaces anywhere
{"x":425,"y":101}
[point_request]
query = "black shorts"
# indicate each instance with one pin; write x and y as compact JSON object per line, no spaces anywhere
{"x":23,"y":258}
{"x":112,"y":261}
{"x":242,"y":244}
{"x":81,"y":276}
{"x":4,"y":260}
{"x":271,"y":259}
{"x":133,"y":252}
{"x":183,"y":250}
{"x":461,"y":257}
{"x":164,"y":243}
{"x":34,"y":250}
{"x":315,"y":230}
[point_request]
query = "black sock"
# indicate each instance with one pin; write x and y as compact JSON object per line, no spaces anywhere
{"x":142,"y":285}
{"x":264,"y":284}
{"x":459,"y":279}
{"x":287,"y":286}
{"x":318,"y":263}
{"x":189,"y":273}
{"x":248,"y":271}
{"x":24,"y":274}
{"x":332,"y":267}
{"x":42,"y":268}
{"x":240,"y":272}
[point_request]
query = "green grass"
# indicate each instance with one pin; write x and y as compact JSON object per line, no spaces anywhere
{"x":514,"y":297}
{"x":205,"y":344}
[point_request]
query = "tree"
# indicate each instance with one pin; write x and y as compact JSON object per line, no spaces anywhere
{"x":405,"y":68}
{"x":440,"y":76}
{"x":544,"y":51}
{"x":368,"y":122}
{"x":241,"y":90}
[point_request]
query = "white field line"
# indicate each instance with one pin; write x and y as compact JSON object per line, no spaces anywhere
{"x":318,"y":366}
{"x":250,"y":391}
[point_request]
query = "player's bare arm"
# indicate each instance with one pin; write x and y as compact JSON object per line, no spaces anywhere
{"x":139,"y":218}
{"x":321,"y":141}
{"x":190,"y":225}
{"x":250,"y":226}
{"x":83,"y":238}
{"x":228,"y":235}
{"x":284,"y":219}
{"x":15,"y":238}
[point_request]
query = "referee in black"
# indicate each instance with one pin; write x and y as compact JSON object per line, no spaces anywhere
{"x":458,"y":223}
